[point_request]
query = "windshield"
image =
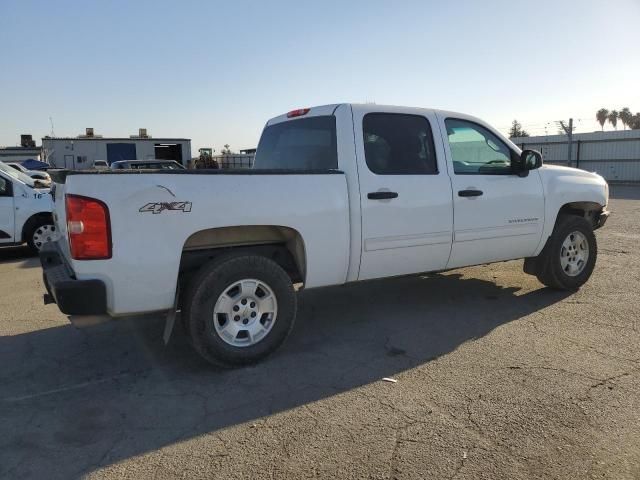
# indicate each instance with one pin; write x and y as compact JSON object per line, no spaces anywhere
{"x":17,"y":174}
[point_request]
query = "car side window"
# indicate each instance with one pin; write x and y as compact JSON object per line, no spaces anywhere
{"x":5,"y":188}
{"x":398,"y":144}
{"x":477,"y":151}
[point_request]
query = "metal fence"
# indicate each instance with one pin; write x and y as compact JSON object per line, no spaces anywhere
{"x":234,"y":161}
{"x":614,"y":155}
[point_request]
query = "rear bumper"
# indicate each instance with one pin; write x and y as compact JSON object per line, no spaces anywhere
{"x":602,"y":219}
{"x":73,"y":296}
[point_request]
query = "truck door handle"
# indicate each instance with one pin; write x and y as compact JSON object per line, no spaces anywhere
{"x":382,"y":195}
{"x":469,"y":193}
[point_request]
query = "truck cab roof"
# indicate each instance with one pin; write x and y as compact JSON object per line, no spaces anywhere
{"x":330,"y":109}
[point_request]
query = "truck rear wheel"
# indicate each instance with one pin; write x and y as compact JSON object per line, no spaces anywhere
{"x":239,"y":309}
{"x":569,"y":257}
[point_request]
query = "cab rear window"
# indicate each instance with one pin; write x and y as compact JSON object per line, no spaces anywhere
{"x":304,"y":144}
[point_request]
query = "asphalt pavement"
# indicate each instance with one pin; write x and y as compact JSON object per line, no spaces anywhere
{"x":497,"y":378}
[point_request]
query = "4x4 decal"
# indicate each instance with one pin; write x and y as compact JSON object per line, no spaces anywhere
{"x":159,"y":207}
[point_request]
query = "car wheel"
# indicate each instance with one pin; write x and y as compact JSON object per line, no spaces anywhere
{"x":568,"y":259}
{"x":239,"y":309}
{"x":42,"y":231}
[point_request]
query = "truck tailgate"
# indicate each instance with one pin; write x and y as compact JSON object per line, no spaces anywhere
{"x":60,"y":218}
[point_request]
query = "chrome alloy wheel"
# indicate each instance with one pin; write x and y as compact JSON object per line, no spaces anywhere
{"x":44,"y":234}
{"x":574,"y":254}
{"x":245,"y":312}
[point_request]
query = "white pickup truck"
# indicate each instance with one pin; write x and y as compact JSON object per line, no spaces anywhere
{"x":339,"y":193}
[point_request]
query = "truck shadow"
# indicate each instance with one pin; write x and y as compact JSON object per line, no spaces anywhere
{"x":99,"y":396}
{"x":21,"y":254}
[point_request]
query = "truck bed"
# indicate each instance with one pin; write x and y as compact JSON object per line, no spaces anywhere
{"x":60,"y":175}
{"x":154,"y":213}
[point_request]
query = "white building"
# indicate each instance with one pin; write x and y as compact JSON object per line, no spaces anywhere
{"x":80,"y":152}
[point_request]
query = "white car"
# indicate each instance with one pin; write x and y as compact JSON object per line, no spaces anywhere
{"x":339,"y":193}
{"x":25,"y":210}
{"x":35,"y":174}
{"x":100,"y":165}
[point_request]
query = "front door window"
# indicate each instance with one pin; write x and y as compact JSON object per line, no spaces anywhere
{"x":477,"y":151}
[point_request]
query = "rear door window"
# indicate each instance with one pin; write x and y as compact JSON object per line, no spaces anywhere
{"x":398,"y":144}
{"x":304,"y":144}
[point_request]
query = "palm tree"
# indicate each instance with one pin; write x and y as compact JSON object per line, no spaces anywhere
{"x":625,"y":117}
{"x":613,"y":118}
{"x":601,"y":116}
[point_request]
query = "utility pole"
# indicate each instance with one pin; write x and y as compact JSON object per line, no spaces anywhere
{"x":569,"y":131}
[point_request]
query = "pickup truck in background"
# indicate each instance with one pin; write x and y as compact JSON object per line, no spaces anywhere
{"x":25,"y":210}
{"x":339,"y":193}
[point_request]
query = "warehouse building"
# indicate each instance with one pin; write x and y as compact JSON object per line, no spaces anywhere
{"x":82,"y":151}
{"x":614,"y":155}
{"x":26,"y":151}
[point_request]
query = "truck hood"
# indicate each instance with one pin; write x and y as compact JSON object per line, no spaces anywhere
{"x":567,"y":184}
{"x":558,"y":170}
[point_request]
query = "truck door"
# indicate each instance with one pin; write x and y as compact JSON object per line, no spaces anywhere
{"x":7,"y":212}
{"x":405,"y":192}
{"x":499,"y":215}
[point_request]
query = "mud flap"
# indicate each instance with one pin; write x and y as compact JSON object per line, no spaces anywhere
{"x":530,"y":265}
{"x":171,"y":318}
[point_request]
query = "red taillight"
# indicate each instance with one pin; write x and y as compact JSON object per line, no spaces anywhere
{"x":88,"y":228}
{"x":298,"y":113}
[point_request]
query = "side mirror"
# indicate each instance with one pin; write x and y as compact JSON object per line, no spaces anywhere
{"x":530,"y":160}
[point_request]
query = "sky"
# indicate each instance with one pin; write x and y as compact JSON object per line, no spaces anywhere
{"x":216,"y":71}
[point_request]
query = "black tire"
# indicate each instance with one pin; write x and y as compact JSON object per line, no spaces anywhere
{"x":35,"y":224}
{"x":206,"y":287}
{"x":548,"y":266}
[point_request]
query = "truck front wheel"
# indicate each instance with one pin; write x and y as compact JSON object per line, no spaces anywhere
{"x":239,"y":309}
{"x":569,"y":257}
{"x":40,"y":231}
